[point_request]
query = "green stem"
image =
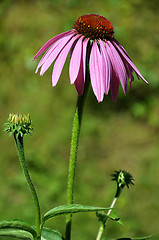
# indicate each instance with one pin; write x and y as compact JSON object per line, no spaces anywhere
{"x":100,"y":232}
{"x":73,"y":153}
{"x":74,"y":144}
{"x":111,"y":206}
{"x":20,"y":149}
{"x":103,"y":224}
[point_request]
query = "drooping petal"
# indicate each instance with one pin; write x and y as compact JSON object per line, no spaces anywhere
{"x":114,"y":40}
{"x":129,"y":61}
{"x":60,"y":61}
{"x":84,"y":51}
{"x":129,"y":72}
{"x":96,"y":72}
{"x":114,"y":81}
{"x":80,"y":81}
{"x":44,"y":57}
{"x":107,"y":68}
{"x":129,"y":69}
{"x":109,"y":74}
{"x":51,"y":41}
{"x":114,"y":86}
{"x":104,"y":62}
{"x":75,"y":60}
{"x":59,"y":45}
{"x":120,"y":67}
{"x":48,"y":52}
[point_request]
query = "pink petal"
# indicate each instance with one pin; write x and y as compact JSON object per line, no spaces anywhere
{"x":44,"y":57}
{"x":114,"y":86}
{"x":80,"y":81}
{"x":114,"y":81}
{"x":60,"y":61}
{"x":49,"y":51}
{"x":114,"y":40}
{"x":107,"y":68}
{"x":129,"y":61}
{"x":51,"y":41}
{"x":75,"y":60}
{"x":59,"y":45}
{"x":120,"y":67}
{"x":129,"y":73}
{"x":96,"y":72}
{"x":85,"y":42}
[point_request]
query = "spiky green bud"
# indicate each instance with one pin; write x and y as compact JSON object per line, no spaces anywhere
{"x":122,"y":179}
{"x":19,"y":124}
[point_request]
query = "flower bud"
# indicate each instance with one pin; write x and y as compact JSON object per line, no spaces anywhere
{"x":19,"y":124}
{"x":16,"y":119}
{"x":122,"y":179}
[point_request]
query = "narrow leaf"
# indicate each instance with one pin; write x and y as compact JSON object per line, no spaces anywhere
{"x":113,"y":215}
{"x":143,"y":238}
{"x":19,"y":225}
{"x":72,"y":208}
{"x":49,"y":234}
{"x":103,"y":217}
{"x":19,"y":234}
{"x":139,"y":238}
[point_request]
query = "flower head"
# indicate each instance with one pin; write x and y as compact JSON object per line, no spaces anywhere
{"x":109,"y":62}
{"x":19,"y":124}
{"x":122,"y":179}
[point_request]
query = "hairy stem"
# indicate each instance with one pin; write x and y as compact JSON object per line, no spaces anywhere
{"x":74,"y":144}
{"x":73,"y":155}
{"x":20,"y":149}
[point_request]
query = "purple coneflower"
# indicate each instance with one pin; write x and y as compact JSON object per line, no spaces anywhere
{"x":109,"y":62}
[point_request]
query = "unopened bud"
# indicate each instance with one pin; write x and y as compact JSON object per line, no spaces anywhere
{"x":122,"y":179}
{"x":19,"y":124}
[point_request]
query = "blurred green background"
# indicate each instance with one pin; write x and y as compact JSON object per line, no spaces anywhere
{"x":124,"y":135}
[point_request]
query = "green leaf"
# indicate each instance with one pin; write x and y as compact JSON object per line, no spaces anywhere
{"x":142,"y":238}
{"x":49,"y":234}
{"x":103,"y":217}
{"x":15,"y":233}
{"x":113,"y":215}
{"x":17,"y":228}
{"x":139,"y":238}
{"x":72,"y":208}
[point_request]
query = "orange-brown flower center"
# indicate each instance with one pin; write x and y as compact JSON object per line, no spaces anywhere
{"x":94,"y":27}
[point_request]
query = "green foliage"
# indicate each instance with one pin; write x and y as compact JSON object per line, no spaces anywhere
{"x":74,"y":208}
{"x":49,"y":234}
{"x":103,"y":217}
{"x":17,"y":228}
{"x":140,"y":238}
{"x":15,"y":233}
{"x":113,"y":215}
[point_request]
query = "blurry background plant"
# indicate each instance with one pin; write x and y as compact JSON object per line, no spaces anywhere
{"x":122,"y":135}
